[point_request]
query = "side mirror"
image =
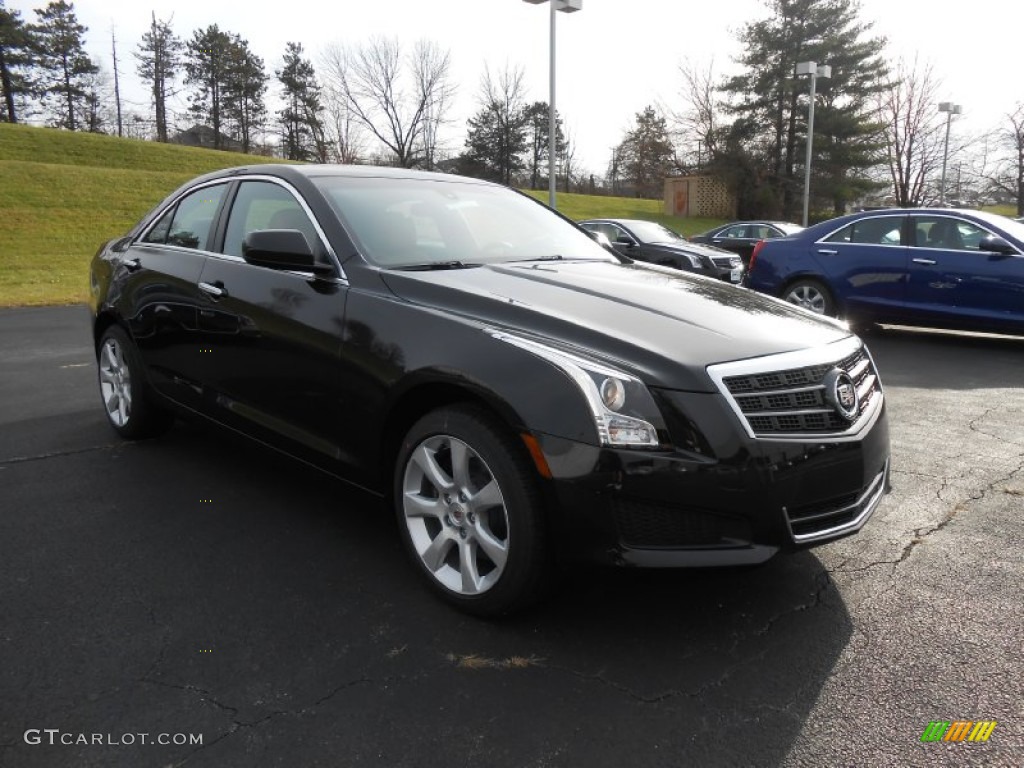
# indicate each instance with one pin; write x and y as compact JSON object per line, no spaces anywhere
{"x":623,"y":240}
{"x":998,"y":245}
{"x":283,"y":249}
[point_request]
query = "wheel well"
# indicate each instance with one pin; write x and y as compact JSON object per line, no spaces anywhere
{"x":103,"y":321}
{"x":418,"y":402}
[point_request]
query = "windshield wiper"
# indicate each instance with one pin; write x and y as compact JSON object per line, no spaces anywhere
{"x":552,"y":257}
{"x":431,"y":265}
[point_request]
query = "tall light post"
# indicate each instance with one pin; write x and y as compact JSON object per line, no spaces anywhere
{"x":815,"y":70}
{"x":950,"y":109}
{"x":567,"y":6}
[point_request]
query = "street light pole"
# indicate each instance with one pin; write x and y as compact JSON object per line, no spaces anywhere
{"x":567,"y":6}
{"x":950,"y":109}
{"x":815,"y":71}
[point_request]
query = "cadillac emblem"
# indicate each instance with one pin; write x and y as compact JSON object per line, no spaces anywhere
{"x":841,"y":393}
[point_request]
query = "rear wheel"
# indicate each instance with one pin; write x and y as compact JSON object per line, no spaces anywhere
{"x":469,"y":511}
{"x":123,"y":389}
{"x":812,"y":295}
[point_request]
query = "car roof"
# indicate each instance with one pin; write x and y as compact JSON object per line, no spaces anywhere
{"x":315,"y":170}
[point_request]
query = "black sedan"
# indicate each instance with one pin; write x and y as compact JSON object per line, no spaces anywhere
{"x":741,"y":236}
{"x":656,"y":244}
{"x":511,"y":388}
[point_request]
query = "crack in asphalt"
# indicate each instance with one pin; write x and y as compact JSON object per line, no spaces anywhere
{"x":237,"y":725}
{"x":59,"y":454}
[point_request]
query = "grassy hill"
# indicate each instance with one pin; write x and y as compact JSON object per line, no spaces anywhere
{"x":63,"y":194}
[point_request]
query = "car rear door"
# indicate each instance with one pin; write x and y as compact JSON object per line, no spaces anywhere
{"x":865,"y":263}
{"x":159,"y":296}
{"x":954,"y":279}
{"x":273,"y":337}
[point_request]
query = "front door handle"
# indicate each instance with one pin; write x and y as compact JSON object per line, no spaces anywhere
{"x":216,"y":290}
{"x":828,"y":251}
{"x":929,"y":262}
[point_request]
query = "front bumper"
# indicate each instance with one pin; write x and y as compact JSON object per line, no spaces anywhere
{"x":719,"y":497}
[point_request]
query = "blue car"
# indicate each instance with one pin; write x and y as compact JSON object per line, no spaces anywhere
{"x":936,"y":267}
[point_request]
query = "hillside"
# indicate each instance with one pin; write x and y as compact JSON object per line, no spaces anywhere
{"x":63,"y":194}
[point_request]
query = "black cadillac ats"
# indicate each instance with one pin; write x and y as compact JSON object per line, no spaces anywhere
{"x":512,"y":388}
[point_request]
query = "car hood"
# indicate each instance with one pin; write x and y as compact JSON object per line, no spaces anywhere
{"x":663,"y":325}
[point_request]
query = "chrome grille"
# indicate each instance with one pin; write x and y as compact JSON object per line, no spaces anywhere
{"x":729,"y":262}
{"x":784,"y":395}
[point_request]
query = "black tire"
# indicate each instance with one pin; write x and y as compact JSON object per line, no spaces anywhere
{"x":811,"y":295}
{"x":123,"y":391}
{"x":493,"y":513}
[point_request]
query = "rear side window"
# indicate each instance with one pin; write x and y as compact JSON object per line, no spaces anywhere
{"x":189,"y":222}
{"x":882,"y":230}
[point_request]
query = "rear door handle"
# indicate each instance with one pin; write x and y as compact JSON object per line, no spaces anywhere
{"x":929,"y":262}
{"x":215,"y":290}
{"x":828,"y":251}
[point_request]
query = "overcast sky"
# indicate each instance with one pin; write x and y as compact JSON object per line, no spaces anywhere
{"x":613,"y":57}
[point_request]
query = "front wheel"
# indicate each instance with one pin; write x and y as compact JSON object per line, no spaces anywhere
{"x":469,"y":511}
{"x":122,"y":388}
{"x":812,"y":295}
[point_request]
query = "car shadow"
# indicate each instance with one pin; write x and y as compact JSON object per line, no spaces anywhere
{"x":931,"y":359}
{"x":720,"y":665}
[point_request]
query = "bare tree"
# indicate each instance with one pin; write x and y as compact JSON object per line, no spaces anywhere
{"x":696,"y":126}
{"x":400,"y":100}
{"x":1005,"y":175}
{"x":344,"y":134}
{"x":913,"y":131}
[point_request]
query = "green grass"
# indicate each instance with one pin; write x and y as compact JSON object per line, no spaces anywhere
{"x":64,"y":194}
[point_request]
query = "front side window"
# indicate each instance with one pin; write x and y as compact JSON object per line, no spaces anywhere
{"x":880,"y":230}
{"x":265,"y":205}
{"x":188,"y":223}
{"x":947,"y":233}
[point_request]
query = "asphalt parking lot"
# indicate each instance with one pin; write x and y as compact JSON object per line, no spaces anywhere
{"x":196,"y":585}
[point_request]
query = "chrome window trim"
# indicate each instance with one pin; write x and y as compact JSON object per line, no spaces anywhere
{"x":228,"y":257}
{"x":803,"y":358}
{"x":171,"y":204}
{"x":824,"y":239}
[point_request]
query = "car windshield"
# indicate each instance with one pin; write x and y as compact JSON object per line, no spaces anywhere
{"x":403,"y":223}
{"x":787,"y":228}
{"x":651,"y":232}
{"x":1012,"y":227}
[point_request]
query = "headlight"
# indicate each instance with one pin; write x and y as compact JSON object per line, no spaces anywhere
{"x":615,"y":398}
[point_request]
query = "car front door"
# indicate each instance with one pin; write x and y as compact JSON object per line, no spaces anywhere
{"x":159,"y":291}
{"x":736,"y":238}
{"x":272,"y":337}
{"x":953,"y":277}
{"x":866,"y":264}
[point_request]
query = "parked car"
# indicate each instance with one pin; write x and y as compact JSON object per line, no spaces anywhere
{"x":741,"y":236}
{"x":936,"y":267}
{"x":509,"y":386}
{"x":657,"y":244}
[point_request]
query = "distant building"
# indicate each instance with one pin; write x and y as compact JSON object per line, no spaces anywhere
{"x":699,"y":196}
{"x":203,"y":136}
